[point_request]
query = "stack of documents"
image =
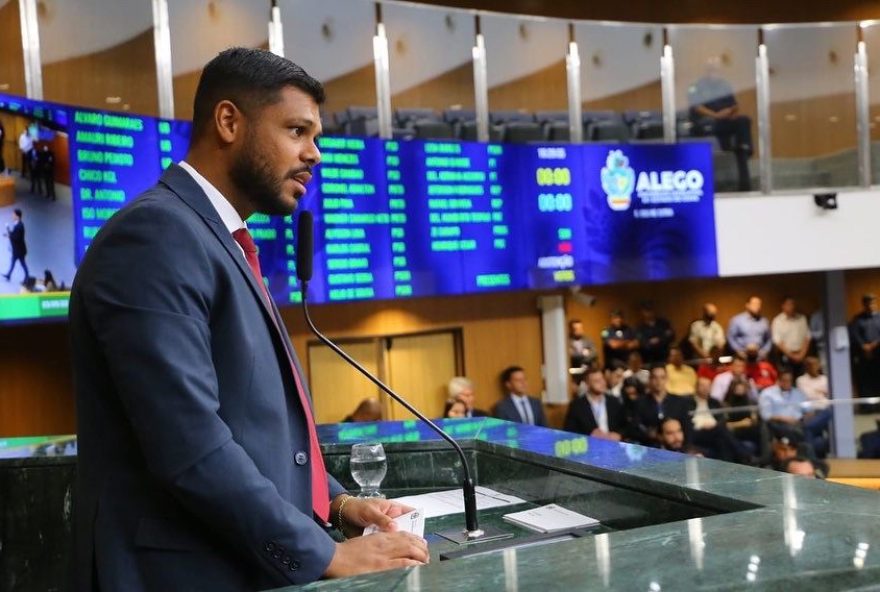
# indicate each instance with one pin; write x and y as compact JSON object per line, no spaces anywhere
{"x":550,"y":518}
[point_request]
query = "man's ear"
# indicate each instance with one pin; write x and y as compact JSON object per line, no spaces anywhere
{"x":227,"y":121}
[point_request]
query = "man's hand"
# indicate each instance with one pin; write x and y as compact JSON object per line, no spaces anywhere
{"x":359,"y":513}
{"x":377,"y":552}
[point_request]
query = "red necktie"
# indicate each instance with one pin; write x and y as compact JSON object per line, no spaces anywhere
{"x":320,"y":491}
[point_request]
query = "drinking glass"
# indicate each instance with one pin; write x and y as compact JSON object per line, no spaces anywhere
{"x":368,"y":467}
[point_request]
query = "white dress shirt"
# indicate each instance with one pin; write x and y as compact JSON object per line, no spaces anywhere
{"x":524,"y":407}
{"x":231,"y":220}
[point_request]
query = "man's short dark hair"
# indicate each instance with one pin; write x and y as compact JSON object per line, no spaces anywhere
{"x":508,"y":372}
{"x":17,"y":212}
{"x":594,"y":370}
{"x":668,"y":419}
{"x":250,"y":78}
{"x":658,"y":367}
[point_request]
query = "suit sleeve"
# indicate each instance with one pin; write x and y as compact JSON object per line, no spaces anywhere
{"x":149,"y":309}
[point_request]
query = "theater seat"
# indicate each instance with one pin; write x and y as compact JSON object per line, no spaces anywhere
{"x":433,"y":130}
{"x":521,"y":132}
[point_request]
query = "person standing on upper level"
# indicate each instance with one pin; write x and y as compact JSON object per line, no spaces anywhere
{"x":749,"y":330}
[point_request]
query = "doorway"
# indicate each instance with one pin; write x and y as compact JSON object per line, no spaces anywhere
{"x":416,"y":365}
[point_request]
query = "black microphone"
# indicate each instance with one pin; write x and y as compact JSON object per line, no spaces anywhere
{"x":304,"y":255}
{"x":305,"y":246}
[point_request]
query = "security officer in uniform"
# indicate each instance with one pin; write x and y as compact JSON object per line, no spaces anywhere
{"x":865,"y":337}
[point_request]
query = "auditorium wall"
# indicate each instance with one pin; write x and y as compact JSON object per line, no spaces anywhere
{"x":12,"y":64}
{"x":498,"y":330}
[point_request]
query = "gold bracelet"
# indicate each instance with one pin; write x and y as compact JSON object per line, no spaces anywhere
{"x":339,"y":514}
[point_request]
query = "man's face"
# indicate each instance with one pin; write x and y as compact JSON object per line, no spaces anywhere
{"x":754,"y":306}
{"x":649,"y":316}
{"x":616,"y":321}
{"x":672,"y":435}
{"x":782,"y":451}
{"x":576,"y":330}
{"x":275,"y":157}
{"x":871,"y":305}
{"x":788,"y":307}
{"x":812,"y":366}
{"x":737,"y":367}
{"x":785,"y":381}
{"x":704,"y":387}
{"x":675,"y":357}
{"x":710,"y":311}
{"x":517,"y":383}
{"x":466,"y":396}
{"x":657,"y":381}
{"x":615,"y":376}
{"x":596,"y":383}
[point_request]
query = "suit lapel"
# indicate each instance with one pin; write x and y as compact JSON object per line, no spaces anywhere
{"x":185,"y":187}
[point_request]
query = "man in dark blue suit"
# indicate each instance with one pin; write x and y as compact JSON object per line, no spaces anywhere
{"x":198,"y":463}
{"x":518,"y":406}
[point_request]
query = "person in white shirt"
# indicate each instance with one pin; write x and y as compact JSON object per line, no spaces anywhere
{"x":791,"y":336}
{"x":813,"y":383}
{"x":706,"y":333}
{"x":25,"y":145}
{"x":736,"y":371}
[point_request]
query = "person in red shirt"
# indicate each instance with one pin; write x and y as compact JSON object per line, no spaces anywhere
{"x":761,"y":372}
{"x":711,"y":367}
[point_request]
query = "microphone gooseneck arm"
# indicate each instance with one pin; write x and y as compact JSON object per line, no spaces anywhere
{"x":304,"y":273}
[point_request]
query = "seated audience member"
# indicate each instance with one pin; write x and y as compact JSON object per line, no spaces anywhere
{"x":712,"y":365}
{"x":709,"y":431}
{"x":743,"y":424}
{"x":682,"y":378}
{"x":47,"y":284}
{"x":595,"y":413}
{"x":581,"y":349}
{"x":782,"y":403}
{"x":750,"y":330}
{"x":672,"y":437}
{"x":517,"y":405}
{"x":614,"y":376}
{"x":813,"y":383}
{"x":618,"y":340}
{"x":707,"y":334}
{"x":736,"y":371}
{"x":713,"y":110}
{"x":654,"y":334}
{"x":367,"y":410}
{"x":651,"y":409}
{"x":788,"y":444}
{"x":783,"y":406}
{"x":761,"y":372}
{"x":455,"y":410}
{"x":636,"y":369}
{"x":631,"y":392}
{"x":791,"y":336}
{"x":800,"y":465}
{"x":462,"y":389}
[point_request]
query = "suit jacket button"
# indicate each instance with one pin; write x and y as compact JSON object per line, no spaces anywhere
{"x":270,"y":547}
{"x":301,"y":458}
{"x":286,"y":560}
{"x":294,"y":565}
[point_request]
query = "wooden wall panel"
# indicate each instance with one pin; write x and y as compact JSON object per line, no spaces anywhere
{"x":498,"y":330}
{"x":36,"y":383}
{"x":12,"y":63}
{"x":127,"y":70}
{"x":455,"y":87}
{"x":544,"y":90}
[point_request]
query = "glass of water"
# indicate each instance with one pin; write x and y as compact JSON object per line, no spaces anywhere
{"x":368,"y":467}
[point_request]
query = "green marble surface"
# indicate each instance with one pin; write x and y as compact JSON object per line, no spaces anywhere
{"x":749,"y":528}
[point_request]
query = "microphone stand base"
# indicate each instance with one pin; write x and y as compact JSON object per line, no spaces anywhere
{"x":484,"y":535}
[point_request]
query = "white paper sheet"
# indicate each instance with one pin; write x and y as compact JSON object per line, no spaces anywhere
{"x":442,"y":503}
